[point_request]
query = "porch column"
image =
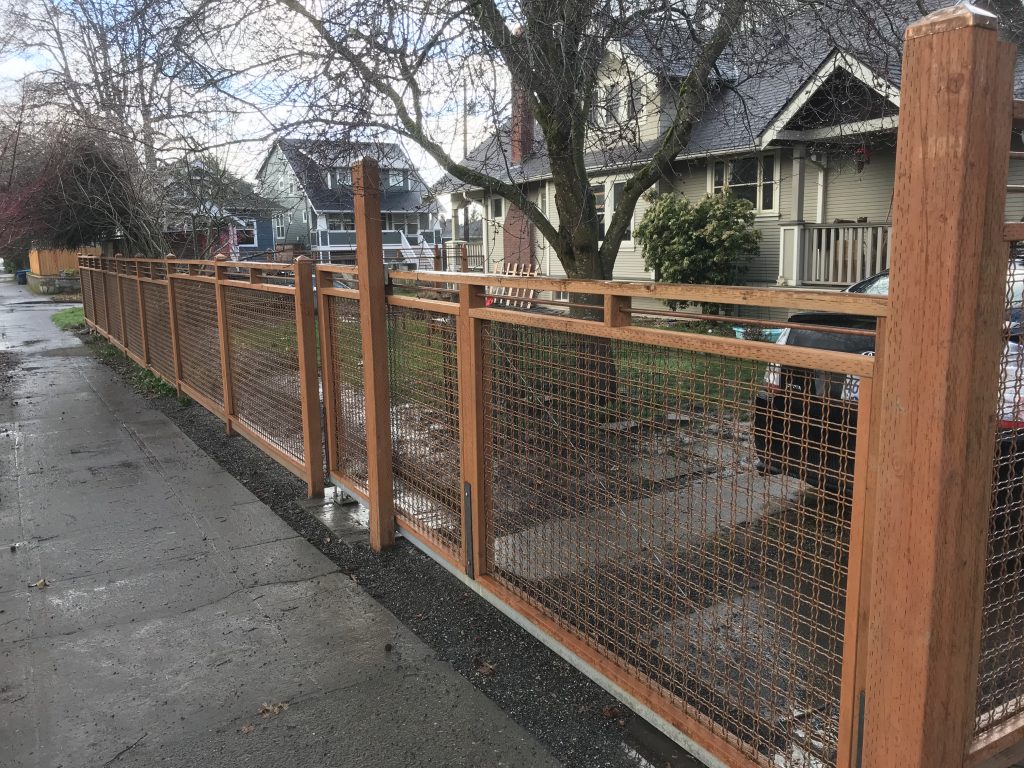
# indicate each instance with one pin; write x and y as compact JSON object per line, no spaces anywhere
{"x":798,"y":176}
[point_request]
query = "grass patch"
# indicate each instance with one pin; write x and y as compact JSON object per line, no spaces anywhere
{"x":70,"y":319}
{"x":146,"y":383}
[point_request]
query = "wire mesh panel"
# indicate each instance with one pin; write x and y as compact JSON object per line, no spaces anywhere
{"x":348,"y":409}
{"x":132,"y":316}
{"x":99,"y":292}
{"x":158,"y":329}
{"x":423,"y":360}
{"x":264,"y":364}
{"x":195,"y":306}
{"x":113,"y":306}
{"x":1000,"y":693}
{"x":692,"y":530}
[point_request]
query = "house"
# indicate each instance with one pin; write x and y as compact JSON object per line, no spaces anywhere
{"x":810,"y":140}
{"x":208,"y":211}
{"x":311,"y":180}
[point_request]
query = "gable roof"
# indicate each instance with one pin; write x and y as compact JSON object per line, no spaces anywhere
{"x":772,"y":79}
{"x":310,"y":159}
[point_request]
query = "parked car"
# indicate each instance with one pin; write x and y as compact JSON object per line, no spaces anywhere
{"x":805,"y":420}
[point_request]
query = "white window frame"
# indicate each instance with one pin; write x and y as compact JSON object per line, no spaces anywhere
{"x":776,"y":177}
{"x":255,"y":234}
{"x":279,"y":228}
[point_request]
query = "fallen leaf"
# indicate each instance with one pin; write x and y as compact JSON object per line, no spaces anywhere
{"x":327,"y":540}
{"x":269,"y":710}
{"x":247,"y":728}
{"x":484,"y":667}
{"x":41,"y":584}
{"x":610,"y":712}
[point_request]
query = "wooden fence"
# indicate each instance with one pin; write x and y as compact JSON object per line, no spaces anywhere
{"x":51,"y":261}
{"x":237,"y":337}
{"x":783,"y":556}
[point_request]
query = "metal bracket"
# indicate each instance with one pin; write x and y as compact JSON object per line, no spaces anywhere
{"x":467,"y":506}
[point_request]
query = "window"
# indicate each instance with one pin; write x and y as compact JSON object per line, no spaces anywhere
{"x":340,"y":177}
{"x":496,"y":207}
{"x":335,"y":222}
{"x":611,"y":105}
{"x":617,"y":189}
{"x":245,"y":233}
{"x":279,"y":227}
{"x":305,"y":216}
{"x":395,"y":177}
{"x":598,"y":190}
{"x":749,"y":178}
{"x":634,"y":103}
{"x":291,"y":187}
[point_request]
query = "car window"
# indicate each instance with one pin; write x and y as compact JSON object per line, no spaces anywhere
{"x":875,"y":286}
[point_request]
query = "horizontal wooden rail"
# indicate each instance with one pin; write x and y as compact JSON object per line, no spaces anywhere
{"x":782,"y":298}
{"x":799,"y":357}
{"x":1018,"y":113}
{"x":1002,"y":746}
{"x":1013,"y":231}
{"x":430,"y":305}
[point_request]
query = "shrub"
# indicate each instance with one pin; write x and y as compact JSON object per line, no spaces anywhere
{"x":709,"y":241}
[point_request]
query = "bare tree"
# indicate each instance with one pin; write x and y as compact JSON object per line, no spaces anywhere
{"x":397,"y":67}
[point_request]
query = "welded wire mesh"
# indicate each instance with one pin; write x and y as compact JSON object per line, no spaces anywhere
{"x":158,"y":329}
{"x":1000,"y":693}
{"x":423,"y":362}
{"x":348,"y":407}
{"x":132,"y":316}
{"x":264,"y":364}
{"x":113,"y":306}
{"x":195,"y":306}
{"x":99,"y":292}
{"x":647,"y":501}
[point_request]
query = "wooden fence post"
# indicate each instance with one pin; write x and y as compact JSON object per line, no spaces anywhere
{"x":437,"y":258}
{"x":463,"y":258}
{"x":309,"y":384}
{"x":327,"y":352}
{"x":222,"y":332}
{"x":475,"y":503}
{"x":935,"y":435}
{"x":172,"y":316}
{"x":141,"y":297}
{"x":373,"y":323}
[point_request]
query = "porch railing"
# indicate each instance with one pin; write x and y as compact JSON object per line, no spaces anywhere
{"x":843,"y":254}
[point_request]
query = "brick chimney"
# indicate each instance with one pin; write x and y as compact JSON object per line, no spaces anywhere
{"x":522,"y":126}
{"x":517,"y":234}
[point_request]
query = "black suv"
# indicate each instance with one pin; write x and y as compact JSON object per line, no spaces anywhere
{"x":805,"y":420}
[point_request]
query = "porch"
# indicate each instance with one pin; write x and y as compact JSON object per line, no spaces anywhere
{"x":833,"y":255}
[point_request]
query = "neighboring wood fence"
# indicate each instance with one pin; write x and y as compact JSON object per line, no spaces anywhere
{"x":50,"y":261}
{"x":783,"y":556}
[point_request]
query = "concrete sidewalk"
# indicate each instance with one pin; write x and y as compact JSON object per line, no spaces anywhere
{"x":179,"y":604}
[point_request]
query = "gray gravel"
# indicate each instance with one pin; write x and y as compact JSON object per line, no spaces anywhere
{"x":581,"y":724}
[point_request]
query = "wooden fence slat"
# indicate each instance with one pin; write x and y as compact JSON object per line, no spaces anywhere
{"x":309,"y":383}
{"x":937,"y":427}
{"x":373,"y":323}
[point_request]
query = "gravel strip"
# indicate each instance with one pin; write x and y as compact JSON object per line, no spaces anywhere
{"x":582,"y":725}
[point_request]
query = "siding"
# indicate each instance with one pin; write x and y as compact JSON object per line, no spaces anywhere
{"x":1015,"y":201}
{"x":850,"y":195}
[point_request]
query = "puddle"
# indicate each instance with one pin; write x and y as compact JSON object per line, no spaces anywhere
{"x":650,"y":748}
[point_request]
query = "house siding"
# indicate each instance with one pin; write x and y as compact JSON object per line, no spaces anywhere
{"x":850,"y":195}
{"x":1015,"y":201}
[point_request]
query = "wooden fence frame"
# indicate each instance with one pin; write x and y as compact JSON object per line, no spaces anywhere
{"x":132,"y":273}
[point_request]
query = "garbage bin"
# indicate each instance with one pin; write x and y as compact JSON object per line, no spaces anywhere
{"x":21,"y":277}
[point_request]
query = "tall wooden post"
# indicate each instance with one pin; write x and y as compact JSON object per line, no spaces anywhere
{"x":939,"y":390}
{"x":141,"y":297}
{"x":373,"y":323}
{"x":309,"y":384}
{"x":222,"y":332}
{"x":464,"y":258}
{"x":172,"y":316}
{"x":475,"y":504}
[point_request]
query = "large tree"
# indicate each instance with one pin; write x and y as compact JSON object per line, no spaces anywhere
{"x":400,"y":67}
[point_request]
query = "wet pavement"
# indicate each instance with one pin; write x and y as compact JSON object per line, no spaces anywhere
{"x":174,"y":614}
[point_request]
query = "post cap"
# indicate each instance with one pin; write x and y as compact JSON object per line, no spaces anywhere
{"x":952,"y":18}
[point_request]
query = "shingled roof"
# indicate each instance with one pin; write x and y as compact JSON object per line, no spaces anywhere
{"x":758,"y":77}
{"x":311,"y":158}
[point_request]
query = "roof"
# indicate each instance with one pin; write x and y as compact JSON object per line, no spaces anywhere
{"x":758,"y":77}
{"x":198,"y":188}
{"x":311,"y":158}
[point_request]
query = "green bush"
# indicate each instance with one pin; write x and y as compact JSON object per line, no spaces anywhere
{"x":70,"y":319}
{"x":709,"y":241}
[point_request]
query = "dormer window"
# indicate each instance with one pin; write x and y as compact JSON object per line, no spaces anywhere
{"x":395,"y":178}
{"x":339,"y":177}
